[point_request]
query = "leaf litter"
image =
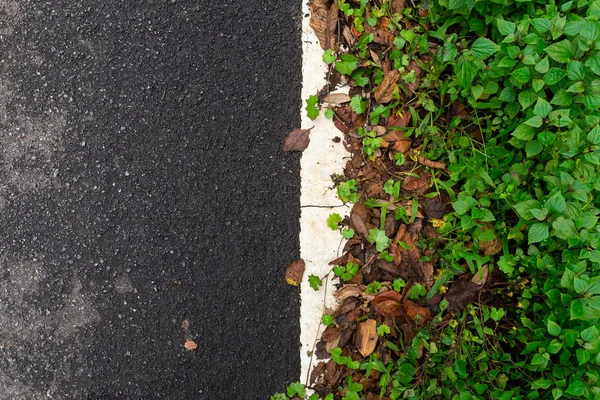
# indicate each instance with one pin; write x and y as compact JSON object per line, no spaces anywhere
{"x":410,"y":218}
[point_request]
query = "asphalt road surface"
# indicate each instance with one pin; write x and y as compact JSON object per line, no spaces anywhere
{"x":142,"y":184}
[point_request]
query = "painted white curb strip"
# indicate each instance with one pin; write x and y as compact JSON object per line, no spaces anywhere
{"x":318,"y":243}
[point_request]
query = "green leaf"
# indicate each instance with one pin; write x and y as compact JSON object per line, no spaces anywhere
{"x":507,"y":94}
{"x":542,"y":25}
{"x":333,"y":220}
{"x":583,"y":356}
{"x":347,"y":65}
{"x":465,"y":71}
{"x":496,"y":314}
{"x":383,"y":330}
{"x":576,"y":388}
{"x":538,"y":232}
{"x":543,"y":66}
{"x":462,"y":206}
{"x":527,"y":98}
{"x":524,"y":208}
{"x":535,"y":121}
{"x":482,"y":48}
{"x":348,"y":233}
{"x":521,"y":75}
{"x":537,"y":85}
{"x":556,"y":204}
{"x":486,"y":235}
{"x":380,"y":239}
{"x":357,"y":105}
{"x":311,"y":110}
{"x":593,"y":63}
{"x":589,"y":334}
{"x":327,"y":319}
{"x":539,"y":213}
{"x":554,"y":75}
{"x":593,"y":135}
{"x":315,"y":282}
{"x":564,"y":228}
{"x":553,"y":328}
{"x":554,"y":346}
{"x":505,"y":27}
{"x":561,"y":51}
{"x":328,"y":56}
{"x":523,"y":132}
{"x":575,"y":70}
{"x":542,"y":108}
{"x":296,"y":389}
{"x":589,"y":35}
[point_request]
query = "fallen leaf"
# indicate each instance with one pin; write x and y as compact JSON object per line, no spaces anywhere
{"x":365,"y":338}
{"x":401,"y":146}
{"x":190,"y":345}
{"x":462,"y":292}
{"x":397,"y":6}
{"x":434,"y":208}
{"x":415,"y":183}
{"x":324,"y":20}
{"x":294,"y":272}
{"x":431,"y":164}
{"x":480,"y":277}
{"x":491,"y":247}
{"x":413,"y":309}
{"x":399,"y":118}
{"x":337,"y":98}
{"x":359,"y":225}
{"x":385,"y":90}
{"x":297,"y":140}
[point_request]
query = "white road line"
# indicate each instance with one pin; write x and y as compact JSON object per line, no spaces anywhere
{"x":318,"y":243}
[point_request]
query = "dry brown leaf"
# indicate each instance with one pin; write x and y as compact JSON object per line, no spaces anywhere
{"x":491,"y":247}
{"x":365,"y":338}
{"x":190,"y":345}
{"x":397,"y":6}
{"x":350,"y":290}
{"x":297,"y":140}
{"x":294,"y":272}
{"x":431,"y":164}
{"x":462,"y":292}
{"x":401,"y":146}
{"x":337,"y":98}
{"x":399,"y":118}
{"x":385,"y":90}
{"x":359,"y":225}
{"x":480,"y":277}
{"x":415,"y":183}
{"x":324,"y":20}
{"x":413,"y":309}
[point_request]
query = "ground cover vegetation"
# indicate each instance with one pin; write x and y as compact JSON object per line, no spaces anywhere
{"x":472,"y":263}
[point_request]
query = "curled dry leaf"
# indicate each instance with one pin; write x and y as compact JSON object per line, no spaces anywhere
{"x":297,"y":140}
{"x":431,"y":164}
{"x":324,"y":21}
{"x":190,"y":345}
{"x":365,"y":338}
{"x":491,"y":247}
{"x":385,"y":90}
{"x":337,"y":98}
{"x":294,"y":272}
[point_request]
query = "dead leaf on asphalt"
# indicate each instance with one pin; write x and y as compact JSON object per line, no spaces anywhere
{"x":365,"y":338}
{"x":324,"y":21}
{"x":385,"y":90}
{"x":190,"y":345}
{"x":294,"y":272}
{"x":297,"y":140}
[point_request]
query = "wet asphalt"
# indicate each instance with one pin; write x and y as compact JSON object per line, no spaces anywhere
{"x":142,"y":185}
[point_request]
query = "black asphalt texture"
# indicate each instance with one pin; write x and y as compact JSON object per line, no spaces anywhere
{"x":142,"y":184}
